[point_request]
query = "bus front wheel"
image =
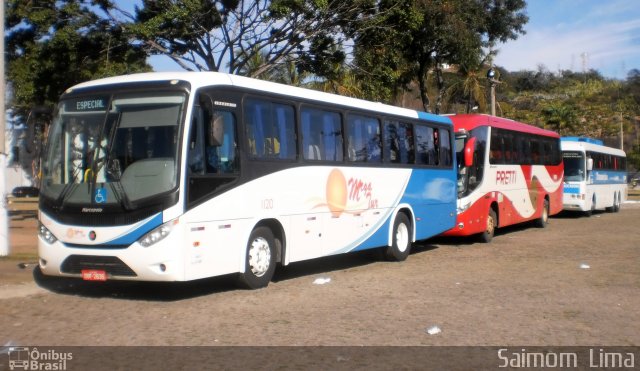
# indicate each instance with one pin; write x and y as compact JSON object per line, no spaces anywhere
{"x":544,"y":218}
{"x":593,"y":207}
{"x":260,"y":259}
{"x":490,"y":230}
{"x":401,"y":239}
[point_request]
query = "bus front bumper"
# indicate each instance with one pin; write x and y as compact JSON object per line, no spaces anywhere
{"x":161,"y":262}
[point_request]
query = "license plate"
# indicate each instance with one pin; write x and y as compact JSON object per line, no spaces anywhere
{"x":94,"y":275}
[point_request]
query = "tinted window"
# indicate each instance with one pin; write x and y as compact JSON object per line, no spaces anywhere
{"x":426,"y":149}
{"x":364,"y":143}
{"x":321,"y":135}
{"x":398,"y":146}
{"x":445,"y":148}
{"x":270,"y":129}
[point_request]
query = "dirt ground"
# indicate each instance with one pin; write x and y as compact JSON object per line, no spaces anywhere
{"x":576,"y":282}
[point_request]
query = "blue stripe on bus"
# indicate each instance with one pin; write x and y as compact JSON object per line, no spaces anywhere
{"x":582,"y":139}
{"x":434,"y":118}
{"x":571,"y":190}
{"x":134,"y":235}
{"x":608,"y":177}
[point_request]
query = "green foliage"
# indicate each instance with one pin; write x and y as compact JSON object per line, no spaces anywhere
{"x":412,"y":38}
{"x":57,"y":44}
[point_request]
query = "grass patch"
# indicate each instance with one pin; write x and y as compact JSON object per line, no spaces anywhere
{"x":30,"y":256}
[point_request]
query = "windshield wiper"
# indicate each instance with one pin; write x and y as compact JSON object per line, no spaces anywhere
{"x":68,"y":189}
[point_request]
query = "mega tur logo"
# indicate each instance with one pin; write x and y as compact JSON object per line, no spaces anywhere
{"x":25,"y":358}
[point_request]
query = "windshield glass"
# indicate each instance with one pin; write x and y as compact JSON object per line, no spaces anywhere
{"x":574,"y":167}
{"x":469,"y":178}
{"x":113,"y":148}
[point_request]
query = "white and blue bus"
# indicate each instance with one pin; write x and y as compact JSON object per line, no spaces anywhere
{"x":182,"y":176}
{"x":595,"y":176}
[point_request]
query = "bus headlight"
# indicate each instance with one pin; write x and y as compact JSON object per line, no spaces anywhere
{"x":157,"y":234}
{"x":46,"y":234}
{"x":462,"y":208}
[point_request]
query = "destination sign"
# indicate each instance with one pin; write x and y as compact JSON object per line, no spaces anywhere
{"x":88,"y":104}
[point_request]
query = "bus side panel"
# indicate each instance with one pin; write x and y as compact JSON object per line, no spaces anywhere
{"x":432,"y":194}
{"x":519,"y":192}
{"x":211,"y":247}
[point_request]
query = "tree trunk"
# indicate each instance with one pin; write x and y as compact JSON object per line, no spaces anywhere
{"x":440,"y":84}
{"x":422,"y":80}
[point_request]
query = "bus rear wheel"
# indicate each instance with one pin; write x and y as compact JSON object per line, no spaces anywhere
{"x":401,"y":239}
{"x":617,"y":203}
{"x":260,"y":259}
{"x":490,"y":230}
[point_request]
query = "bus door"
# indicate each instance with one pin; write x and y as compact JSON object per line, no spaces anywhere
{"x":213,"y":168}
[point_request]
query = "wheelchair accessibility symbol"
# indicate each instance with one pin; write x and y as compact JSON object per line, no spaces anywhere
{"x":100,"y":196}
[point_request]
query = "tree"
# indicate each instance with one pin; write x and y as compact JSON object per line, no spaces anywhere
{"x":561,"y":117}
{"x":227,"y":35}
{"x":57,"y":44}
{"x":416,"y":37}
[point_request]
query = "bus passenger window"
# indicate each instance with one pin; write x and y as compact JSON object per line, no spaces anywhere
{"x":445,"y":148}
{"x":321,"y":135}
{"x":398,"y":142}
{"x":364,"y":139}
{"x":426,"y":151}
{"x":270,"y":129}
{"x":496,"y":149}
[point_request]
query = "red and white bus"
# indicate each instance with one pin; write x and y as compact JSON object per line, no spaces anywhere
{"x":508,"y":173}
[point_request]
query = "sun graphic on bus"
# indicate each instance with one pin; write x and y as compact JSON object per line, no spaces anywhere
{"x":345,"y":196}
{"x":336,"y":192}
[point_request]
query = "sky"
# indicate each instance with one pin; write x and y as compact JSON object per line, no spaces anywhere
{"x":574,"y":34}
{"x":561,"y":35}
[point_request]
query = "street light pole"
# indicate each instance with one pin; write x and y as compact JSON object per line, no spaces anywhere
{"x":491,"y":74}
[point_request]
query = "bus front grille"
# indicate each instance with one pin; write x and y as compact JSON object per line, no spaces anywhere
{"x":113,"y":266}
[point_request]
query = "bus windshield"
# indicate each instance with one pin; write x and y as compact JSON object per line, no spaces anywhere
{"x":469,"y":178}
{"x":574,"y":164}
{"x":113,"y":149}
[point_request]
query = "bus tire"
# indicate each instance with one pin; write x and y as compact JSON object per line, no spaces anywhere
{"x":617,"y":203}
{"x":612,"y":208}
{"x":593,"y":207}
{"x":543,"y":220}
{"x":260,"y":259}
{"x":490,"y":230}
{"x":400,"y":239}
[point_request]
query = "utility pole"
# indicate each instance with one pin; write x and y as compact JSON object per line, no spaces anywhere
{"x":4,"y":225}
{"x":621,"y":131}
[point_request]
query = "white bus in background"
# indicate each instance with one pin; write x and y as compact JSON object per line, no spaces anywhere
{"x":595,"y":176}
{"x":182,"y":176}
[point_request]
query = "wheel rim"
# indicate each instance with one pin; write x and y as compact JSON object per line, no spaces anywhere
{"x":402,"y":237}
{"x":491,"y":225}
{"x":259,"y":256}
{"x":545,"y":214}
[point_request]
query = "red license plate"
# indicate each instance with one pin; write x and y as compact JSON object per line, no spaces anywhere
{"x":94,"y":275}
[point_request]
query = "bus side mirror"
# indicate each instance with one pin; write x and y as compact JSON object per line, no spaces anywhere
{"x":589,"y":164}
{"x":469,"y":148}
{"x":216,"y":130}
